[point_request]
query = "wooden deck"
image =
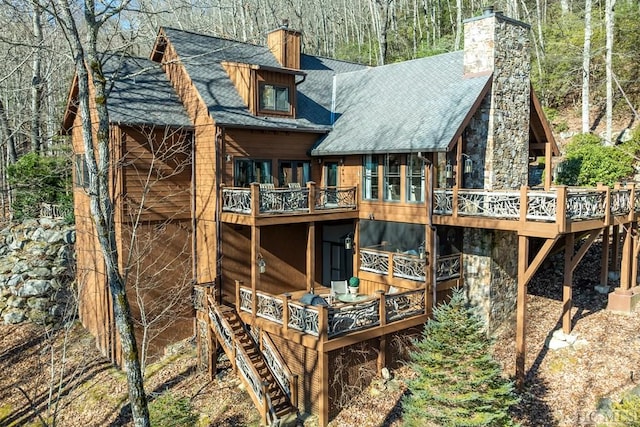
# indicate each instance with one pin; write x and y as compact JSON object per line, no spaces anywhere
{"x":268,"y":206}
{"x":537,"y":213}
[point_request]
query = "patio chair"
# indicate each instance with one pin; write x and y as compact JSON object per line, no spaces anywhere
{"x":297,"y":197}
{"x":338,"y":287}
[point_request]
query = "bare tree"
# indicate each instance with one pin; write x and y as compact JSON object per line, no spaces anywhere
{"x":586,"y":64}
{"x":609,"y":20}
{"x":92,"y":83}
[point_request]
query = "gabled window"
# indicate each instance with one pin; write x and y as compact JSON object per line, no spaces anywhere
{"x":415,"y":179}
{"x":82,"y":172}
{"x":392,"y":177}
{"x":274,"y":98}
{"x":370,"y":178}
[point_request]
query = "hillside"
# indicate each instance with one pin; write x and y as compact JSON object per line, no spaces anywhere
{"x":563,"y":387}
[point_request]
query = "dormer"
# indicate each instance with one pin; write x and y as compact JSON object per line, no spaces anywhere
{"x":270,"y":90}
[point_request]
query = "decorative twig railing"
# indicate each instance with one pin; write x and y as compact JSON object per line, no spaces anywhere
{"x":48,"y":210}
{"x":407,"y":266}
{"x":579,"y":204}
{"x":336,"y":197}
{"x":402,"y":305}
{"x":448,"y":267}
{"x":335,"y":320}
{"x":278,"y":367}
{"x":270,"y":201}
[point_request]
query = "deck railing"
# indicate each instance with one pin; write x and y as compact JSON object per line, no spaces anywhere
{"x":578,"y":204}
{"x":327,"y":322}
{"x":407,"y":266}
{"x":269,"y":201}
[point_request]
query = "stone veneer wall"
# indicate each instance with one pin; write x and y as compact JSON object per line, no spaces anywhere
{"x":494,"y":43}
{"x":490,"y":274}
{"x":36,"y":268}
{"x":497,"y":139}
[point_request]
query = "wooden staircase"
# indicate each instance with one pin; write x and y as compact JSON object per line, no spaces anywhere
{"x":246,"y":357}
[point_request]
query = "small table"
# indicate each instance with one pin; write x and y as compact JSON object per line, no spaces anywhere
{"x":352,"y":297}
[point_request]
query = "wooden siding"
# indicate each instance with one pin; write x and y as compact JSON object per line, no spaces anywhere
{"x":285,"y":46}
{"x":305,"y":363}
{"x":156,"y":172}
{"x":205,"y":167}
{"x":284,"y":250}
{"x":266,"y":145}
{"x":243,"y":78}
{"x":158,"y":273}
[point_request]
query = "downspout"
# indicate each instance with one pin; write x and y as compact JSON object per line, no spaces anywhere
{"x":218,"y":166}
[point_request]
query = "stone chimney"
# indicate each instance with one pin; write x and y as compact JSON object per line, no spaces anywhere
{"x":498,"y":45}
{"x":284,"y":43}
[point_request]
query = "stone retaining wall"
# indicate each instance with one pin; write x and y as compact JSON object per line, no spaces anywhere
{"x":37,"y":267}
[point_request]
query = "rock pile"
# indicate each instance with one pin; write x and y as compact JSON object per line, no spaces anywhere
{"x":36,"y":270}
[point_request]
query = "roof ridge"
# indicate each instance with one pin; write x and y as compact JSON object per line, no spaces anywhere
{"x":214,"y":37}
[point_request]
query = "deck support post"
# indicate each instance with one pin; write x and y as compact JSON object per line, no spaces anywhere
{"x":526,"y":271}
{"x":255,"y":274}
{"x":567,"y":289}
{"x":323,"y":401}
{"x":604,"y":262}
{"x":311,"y":256}
{"x":627,"y":256}
{"x":615,"y":249}
{"x":521,"y":309}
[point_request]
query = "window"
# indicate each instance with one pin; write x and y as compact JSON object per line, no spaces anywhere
{"x":415,"y":179}
{"x":247,"y":171}
{"x":392,"y":177}
{"x":293,"y":171}
{"x":370,"y":178}
{"x":274,"y":98}
{"x":82,"y":172}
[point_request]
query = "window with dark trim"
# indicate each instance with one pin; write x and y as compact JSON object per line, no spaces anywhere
{"x":247,"y":171}
{"x":370,"y":177}
{"x":294,"y":171}
{"x":415,"y":179}
{"x":274,"y":98}
{"x":82,"y":172}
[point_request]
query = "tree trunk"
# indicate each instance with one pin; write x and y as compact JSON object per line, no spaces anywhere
{"x":5,"y":131}
{"x":85,"y":60}
{"x":586,"y":62}
{"x":36,"y":80}
{"x":609,"y":20}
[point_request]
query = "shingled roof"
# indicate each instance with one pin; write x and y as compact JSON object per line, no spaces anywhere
{"x":141,"y":94}
{"x":409,"y":106}
{"x":202,"y":56}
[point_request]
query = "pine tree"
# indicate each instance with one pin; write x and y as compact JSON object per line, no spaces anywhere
{"x":458,"y":382}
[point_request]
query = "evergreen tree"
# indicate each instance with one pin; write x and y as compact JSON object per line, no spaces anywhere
{"x":458,"y":382}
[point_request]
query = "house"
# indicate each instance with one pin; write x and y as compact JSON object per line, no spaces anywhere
{"x":306,"y":171}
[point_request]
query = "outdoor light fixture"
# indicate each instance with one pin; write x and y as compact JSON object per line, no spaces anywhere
{"x":228,"y":157}
{"x":262,"y":264}
{"x":421,"y":250}
{"x":348,"y":242}
{"x":468,"y":164}
{"x":448,"y":170}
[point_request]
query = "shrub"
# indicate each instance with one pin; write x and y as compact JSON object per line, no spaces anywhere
{"x":39,"y":179}
{"x":167,"y":410}
{"x":588,"y":162}
{"x":458,"y":382}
